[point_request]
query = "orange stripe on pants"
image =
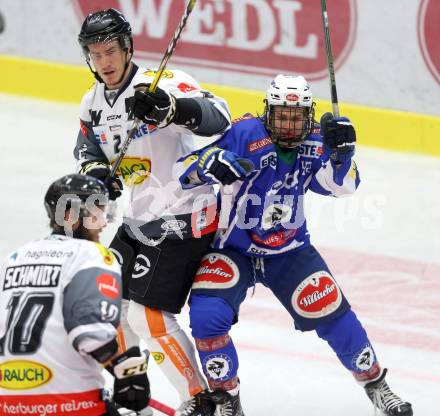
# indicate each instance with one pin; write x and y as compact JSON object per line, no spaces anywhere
{"x":121,"y":340}
{"x":172,"y":349}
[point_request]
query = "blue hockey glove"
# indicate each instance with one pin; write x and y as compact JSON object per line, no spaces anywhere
{"x":339,"y":137}
{"x":221,"y":166}
{"x":156,"y":108}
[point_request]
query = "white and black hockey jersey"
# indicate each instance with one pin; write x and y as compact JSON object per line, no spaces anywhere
{"x":146,"y":170}
{"x":59,"y":300}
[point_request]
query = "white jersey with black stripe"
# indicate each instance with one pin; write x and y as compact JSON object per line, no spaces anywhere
{"x":59,"y":300}
{"x":147,"y":168}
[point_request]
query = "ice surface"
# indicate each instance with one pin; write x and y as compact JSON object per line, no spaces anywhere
{"x":383,"y":245}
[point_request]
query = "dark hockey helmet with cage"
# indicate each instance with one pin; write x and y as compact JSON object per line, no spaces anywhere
{"x":105,"y":26}
{"x":73,"y":190}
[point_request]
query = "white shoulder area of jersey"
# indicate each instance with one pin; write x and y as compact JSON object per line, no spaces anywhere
{"x":175,"y":81}
{"x":87,"y":101}
{"x":92,"y":255}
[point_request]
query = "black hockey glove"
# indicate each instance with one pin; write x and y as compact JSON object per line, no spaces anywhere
{"x":339,"y":137}
{"x":131,"y":388}
{"x":221,"y":166}
{"x":156,"y":108}
{"x":101,"y":171}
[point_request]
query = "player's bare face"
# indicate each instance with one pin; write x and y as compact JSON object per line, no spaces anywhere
{"x":94,"y":223}
{"x":289,"y":121}
{"x":109,"y":60}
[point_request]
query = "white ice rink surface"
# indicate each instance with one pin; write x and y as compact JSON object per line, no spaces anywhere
{"x":382,"y":244}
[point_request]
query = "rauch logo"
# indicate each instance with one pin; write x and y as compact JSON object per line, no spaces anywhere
{"x":23,"y":375}
{"x":253,"y":36}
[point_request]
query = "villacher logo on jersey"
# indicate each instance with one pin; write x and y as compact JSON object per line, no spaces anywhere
{"x":250,"y":36}
{"x":216,"y":271}
{"x":317,"y":296}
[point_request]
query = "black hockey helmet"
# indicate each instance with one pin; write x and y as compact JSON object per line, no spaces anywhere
{"x":105,"y":26}
{"x":75,"y":189}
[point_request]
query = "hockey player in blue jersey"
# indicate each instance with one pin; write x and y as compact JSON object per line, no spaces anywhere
{"x":265,"y":165}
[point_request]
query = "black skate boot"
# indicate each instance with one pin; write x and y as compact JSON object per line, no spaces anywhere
{"x":227,"y":405}
{"x":200,"y":405}
{"x":385,"y":400}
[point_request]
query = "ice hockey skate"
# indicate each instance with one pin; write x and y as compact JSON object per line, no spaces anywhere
{"x":227,"y":405}
{"x":200,"y":405}
{"x":385,"y":400}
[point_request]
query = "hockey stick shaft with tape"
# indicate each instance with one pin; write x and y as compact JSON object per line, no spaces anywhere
{"x":330,"y":65}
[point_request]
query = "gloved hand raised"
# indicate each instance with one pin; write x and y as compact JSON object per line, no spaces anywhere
{"x":131,"y":388}
{"x":156,"y":108}
{"x":339,"y":137}
{"x":101,"y":171}
{"x":221,"y":166}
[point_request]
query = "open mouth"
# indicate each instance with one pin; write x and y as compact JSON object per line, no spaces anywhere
{"x":108,"y":73}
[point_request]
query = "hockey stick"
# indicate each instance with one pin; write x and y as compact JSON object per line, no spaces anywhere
{"x":153,"y":85}
{"x":331,"y":68}
{"x":163,"y":408}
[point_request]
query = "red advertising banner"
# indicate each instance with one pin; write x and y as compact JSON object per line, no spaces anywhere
{"x":429,"y":35}
{"x":255,"y":36}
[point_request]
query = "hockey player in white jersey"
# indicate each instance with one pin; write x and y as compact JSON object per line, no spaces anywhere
{"x":60,"y":302}
{"x":163,"y":237}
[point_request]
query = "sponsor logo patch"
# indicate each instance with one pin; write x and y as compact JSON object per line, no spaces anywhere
{"x":83,"y":128}
{"x":216,"y":271}
{"x":274,"y":239}
{"x":318,"y":295}
{"x":108,"y":285}
{"x":274,"y":215}
{"x":365,"y":359}
{"x":165,"y":74}
{"x":106,"y":254}
{"x":247,"y":116}
{"x":292,"y":97}
{"x":134,"y":170}
{"x":218,"y":366}
{"x":23,"y":375}
{"x":311,"y":149}
{"x":186,"y":87}
{"x":172,"y":226}
{"x":141,"y":267}
{"x":259,"y":144}
{"x":159,"y":357}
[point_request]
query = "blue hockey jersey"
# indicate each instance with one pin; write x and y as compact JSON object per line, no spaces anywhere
{"x":264,"y":214}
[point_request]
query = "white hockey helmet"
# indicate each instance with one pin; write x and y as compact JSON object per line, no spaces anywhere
{"x":289,"y":110}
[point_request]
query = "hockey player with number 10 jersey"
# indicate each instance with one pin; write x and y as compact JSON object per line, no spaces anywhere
{"x":60,"y":305}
